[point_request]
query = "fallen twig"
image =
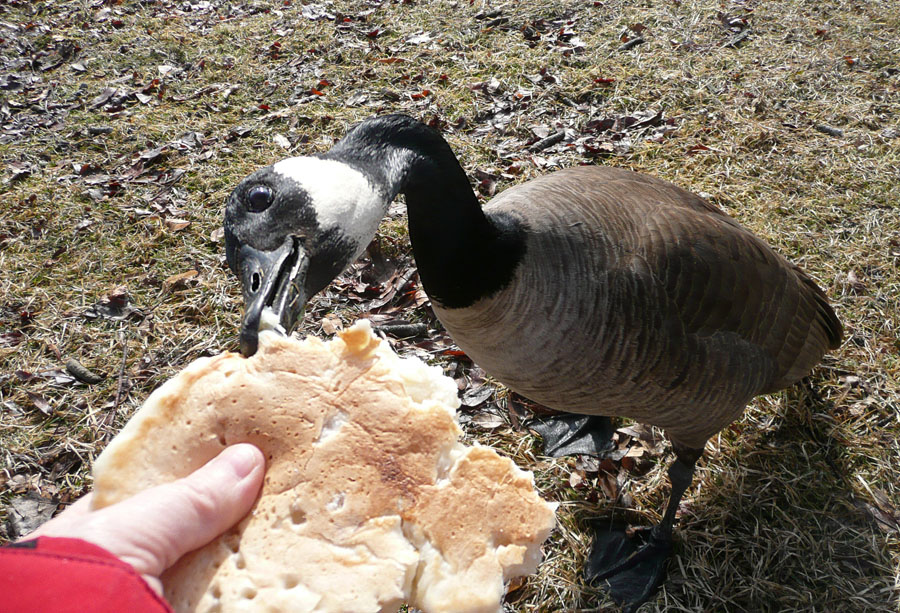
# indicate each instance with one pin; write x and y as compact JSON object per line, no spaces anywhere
{"x":821,"y":127}
{"x":110,"y":417}
{"x":547,"y":142}
{"x":631,"y":44}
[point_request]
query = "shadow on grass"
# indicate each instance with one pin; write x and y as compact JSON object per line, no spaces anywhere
{"x":772,"y":523}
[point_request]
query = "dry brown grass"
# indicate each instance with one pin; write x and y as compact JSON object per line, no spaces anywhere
{"x":794,"y":507}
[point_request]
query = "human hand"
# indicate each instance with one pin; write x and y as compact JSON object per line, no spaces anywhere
{"x":154,"y":528}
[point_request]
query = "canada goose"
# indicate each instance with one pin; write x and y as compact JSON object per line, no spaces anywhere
{"x":594,"y":291}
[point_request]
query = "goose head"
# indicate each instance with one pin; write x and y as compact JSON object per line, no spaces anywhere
{"x":292,"y":227}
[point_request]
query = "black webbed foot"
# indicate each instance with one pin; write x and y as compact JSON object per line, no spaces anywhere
{"x":570,"y":434}
{"x":631,"y":568}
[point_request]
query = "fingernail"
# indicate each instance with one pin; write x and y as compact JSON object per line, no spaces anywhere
{"x":242,"y":458}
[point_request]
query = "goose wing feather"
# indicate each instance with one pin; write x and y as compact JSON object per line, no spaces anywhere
{"x":712,"y":287}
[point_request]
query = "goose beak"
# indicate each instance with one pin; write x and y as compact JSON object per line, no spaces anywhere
{"x":273,"y":285}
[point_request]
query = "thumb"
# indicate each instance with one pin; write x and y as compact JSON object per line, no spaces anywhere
{"x":154,"y":528}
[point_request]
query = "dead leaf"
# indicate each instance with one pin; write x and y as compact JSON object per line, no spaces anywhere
{"x":609,"y":485}
{"x":638,"y":431}
{"x":19,"y":170}
{"x":15,"y":409}
{"x":855,"y":283}
{"x":41,"y":403}
{"x":587,"y":463}
{"x":114,"y":306}
{"x":238,"y":132}
{"x":118,"y":296}
{"x":188,"y":141}
{"x":883,"y":511}
{"x":487,"y":182}
{"x":104,"y":97}
{"x":576,"y":479}
{"x":635,"y":452}
{"x":83,"y":224}
{"x":418,"y":39}
{"x":11,"y":339}
{"x":487,"y":420}
{"x":476,"y":395}
{"x":151,"y":156}
{"x":175,"y":224}
{"x":56,"y":375}
{"x":27,"y":513}
{"x":180,"y":281}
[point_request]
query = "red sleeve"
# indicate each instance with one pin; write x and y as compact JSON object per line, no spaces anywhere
{"x":62,"y":575}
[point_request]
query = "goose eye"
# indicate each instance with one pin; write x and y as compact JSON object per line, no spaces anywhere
{"x":259,"y":198}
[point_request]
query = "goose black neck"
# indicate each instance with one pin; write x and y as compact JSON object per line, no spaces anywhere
{"x":462,"y":254}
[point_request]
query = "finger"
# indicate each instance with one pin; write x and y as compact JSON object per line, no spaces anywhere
{"x":80,"y":507}
{"x":154,"y":528}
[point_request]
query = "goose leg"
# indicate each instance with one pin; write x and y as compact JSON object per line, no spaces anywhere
{"x":633,"y":567}
{"x":570,"y":434}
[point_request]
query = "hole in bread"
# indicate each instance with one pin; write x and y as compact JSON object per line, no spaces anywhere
{"x":239,"y":562}
{"x":221,"y":437}
{"x":233,"y":545}
{"x":336,"y":503}
{"x":332,"y":425}
{"x":291,"y":581}
{"x":215,"y":591}
{"x":249,"y":593}
{"x":298,"y":515}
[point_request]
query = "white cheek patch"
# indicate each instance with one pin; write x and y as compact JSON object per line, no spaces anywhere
{"x":268,"y":320}
{"x":341,"y":196}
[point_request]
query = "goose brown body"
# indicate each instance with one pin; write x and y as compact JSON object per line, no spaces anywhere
{"x":637,"y":298}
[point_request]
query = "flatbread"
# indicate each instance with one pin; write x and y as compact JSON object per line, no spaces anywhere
{"x":369,"y":500}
